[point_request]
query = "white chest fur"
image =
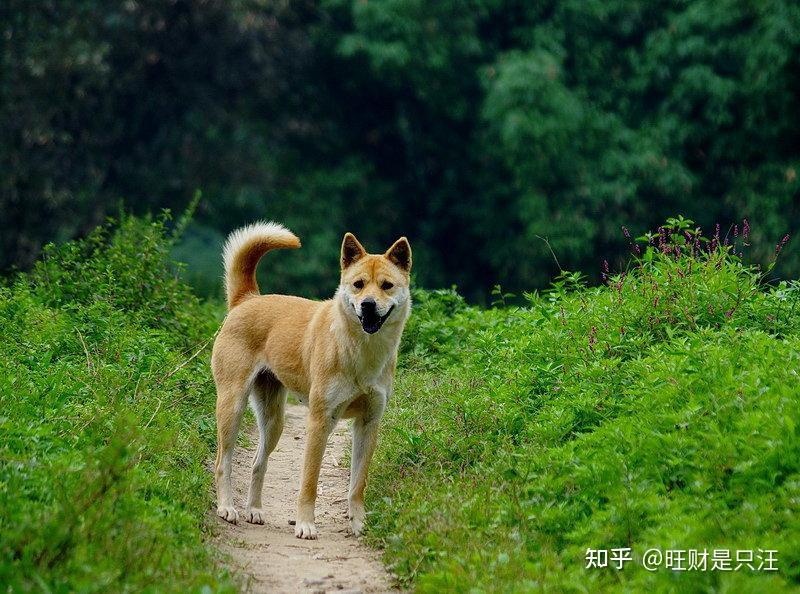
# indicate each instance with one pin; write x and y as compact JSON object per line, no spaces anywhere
{"x":367,"y":359}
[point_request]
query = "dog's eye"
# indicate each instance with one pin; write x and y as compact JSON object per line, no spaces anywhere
{"x":359,"y":284}
{"x":386,"y":285}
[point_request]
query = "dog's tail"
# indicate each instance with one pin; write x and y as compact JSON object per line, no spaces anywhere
{"x":242,"y":252}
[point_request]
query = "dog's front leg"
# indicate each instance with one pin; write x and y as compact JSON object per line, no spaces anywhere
{"x":320,"y":425}
{"x":365,"y":436}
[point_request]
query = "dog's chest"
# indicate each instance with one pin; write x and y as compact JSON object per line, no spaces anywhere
{"x":366,"y":366}
{"x":368,"y":370}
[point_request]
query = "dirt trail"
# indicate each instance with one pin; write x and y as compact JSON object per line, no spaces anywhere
{"x":276,"y":560}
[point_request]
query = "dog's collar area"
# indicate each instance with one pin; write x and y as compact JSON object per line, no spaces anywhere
{"x":371,"y":324}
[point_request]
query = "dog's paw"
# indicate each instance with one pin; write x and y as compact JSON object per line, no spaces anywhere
{"x":357,"y":526}
{"x":306,"y":530}
{"x":357,"y":516}
{"x":253,"y":515}
{"x":228,"y":513}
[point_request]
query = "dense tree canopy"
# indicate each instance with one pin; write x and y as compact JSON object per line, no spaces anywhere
{"x":475,"y":127}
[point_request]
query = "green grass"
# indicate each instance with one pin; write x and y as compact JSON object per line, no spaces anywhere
{"x":106,"y":421}
{"x":661,"y":410}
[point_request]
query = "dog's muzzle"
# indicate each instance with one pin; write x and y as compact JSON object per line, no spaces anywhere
{"x":370,"y":320}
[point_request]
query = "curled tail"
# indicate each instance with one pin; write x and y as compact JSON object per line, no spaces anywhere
{"x":242,"y":252}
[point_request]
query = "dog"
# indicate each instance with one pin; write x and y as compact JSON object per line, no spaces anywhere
{"x":338,"y":356}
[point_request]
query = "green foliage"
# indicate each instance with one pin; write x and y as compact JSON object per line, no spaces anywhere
{"x":474,"y":127}
{"x":146,"y":101}
{"x":127,"y":268}
{"x":658,"y":410}
{"x":107,"y":421}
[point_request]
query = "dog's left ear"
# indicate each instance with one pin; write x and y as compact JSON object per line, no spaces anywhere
{"x":400,"y":254}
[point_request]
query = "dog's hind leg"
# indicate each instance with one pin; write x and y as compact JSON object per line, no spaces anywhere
{"x":268,"y":399}
{"x":231,"y":401}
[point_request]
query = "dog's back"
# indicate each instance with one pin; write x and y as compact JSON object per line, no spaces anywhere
{"x":262,"y":324}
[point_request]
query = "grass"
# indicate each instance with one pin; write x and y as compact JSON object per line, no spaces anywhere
{"x":106,"y":413}
{"x":659,"y":410}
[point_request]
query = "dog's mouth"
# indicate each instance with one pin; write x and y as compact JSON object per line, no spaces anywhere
{"x":371,"y":322}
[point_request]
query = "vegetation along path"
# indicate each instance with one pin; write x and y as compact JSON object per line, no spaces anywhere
{"x":270,"y":553}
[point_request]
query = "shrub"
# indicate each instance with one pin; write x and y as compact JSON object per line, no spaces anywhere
{"x":658,"y":410}
{"x":106,"y":419}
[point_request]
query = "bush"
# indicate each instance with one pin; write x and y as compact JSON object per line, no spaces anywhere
{"x":106,"y":419}
{"x":658,"y":410}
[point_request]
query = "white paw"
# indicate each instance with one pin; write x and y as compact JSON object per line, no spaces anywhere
{"x":254,"y":515}
{"x":228,"y":513}
{"x":357,"y":517}
{"x":357,"y":526}
{"x":306,"y":530}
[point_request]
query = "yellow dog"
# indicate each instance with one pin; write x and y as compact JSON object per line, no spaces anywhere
{"x":338,"y":356}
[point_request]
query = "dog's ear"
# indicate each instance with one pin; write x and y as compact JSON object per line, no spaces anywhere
{"x":352,"y":250}
{"x":400,"y":254}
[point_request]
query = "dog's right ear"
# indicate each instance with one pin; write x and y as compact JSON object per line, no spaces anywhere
{"x":352,"y":250}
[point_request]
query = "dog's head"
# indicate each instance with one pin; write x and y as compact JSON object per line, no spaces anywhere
{"x":374,"y":287}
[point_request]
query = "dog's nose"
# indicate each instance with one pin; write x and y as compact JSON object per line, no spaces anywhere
{"x":368,"y":306}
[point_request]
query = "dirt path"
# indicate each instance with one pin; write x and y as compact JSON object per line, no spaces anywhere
{"x":276,"y":560}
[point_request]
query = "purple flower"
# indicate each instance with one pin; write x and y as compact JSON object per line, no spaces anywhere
{"x":781,"y":243}
{"x":620,"y":283}
{"x":625,"y":232}
{"x":736,"y":230}
{"x":745,"y":229}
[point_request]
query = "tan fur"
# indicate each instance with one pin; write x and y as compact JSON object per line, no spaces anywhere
{"x":242,"y":252}
{"x":319,"y":350}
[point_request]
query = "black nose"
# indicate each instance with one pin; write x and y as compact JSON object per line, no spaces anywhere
{"x":368,"y":306}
